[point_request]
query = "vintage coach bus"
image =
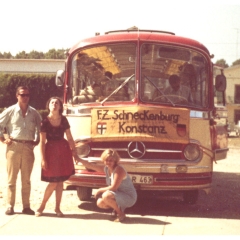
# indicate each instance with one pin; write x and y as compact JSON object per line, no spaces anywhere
{"x":115,"y":96}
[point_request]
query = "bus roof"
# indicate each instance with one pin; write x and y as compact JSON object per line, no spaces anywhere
{"x":141,"y":35}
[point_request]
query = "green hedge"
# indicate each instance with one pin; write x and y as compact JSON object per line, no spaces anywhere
{"x":42,"y":87}
{"x":43,"y":113}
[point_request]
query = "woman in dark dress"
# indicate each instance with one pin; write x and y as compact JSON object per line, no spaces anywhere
{"x":57,"y":153}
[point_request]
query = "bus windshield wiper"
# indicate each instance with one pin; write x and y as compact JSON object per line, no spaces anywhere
{"x":117,"y":89}
{"x":159,"y":90}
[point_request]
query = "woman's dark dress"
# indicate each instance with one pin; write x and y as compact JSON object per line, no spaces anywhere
{"x":58,"y":154}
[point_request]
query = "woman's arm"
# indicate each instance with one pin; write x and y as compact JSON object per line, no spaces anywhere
{"x":71,"y":143}
{"x":91,"y":165}
{"x":42,"y":150}
{"x":77,"y":159}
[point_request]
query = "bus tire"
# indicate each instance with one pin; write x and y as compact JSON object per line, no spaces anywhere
{"x":84,"y":193}
{"x":190,"y":197}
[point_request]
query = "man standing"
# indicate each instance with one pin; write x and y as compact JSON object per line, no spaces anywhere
{"x":22,"y":124}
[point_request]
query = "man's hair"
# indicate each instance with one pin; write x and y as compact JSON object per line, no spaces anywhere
{"x":22,"y":87}
{"x":174,"y":78}
{"x":108,"y":74}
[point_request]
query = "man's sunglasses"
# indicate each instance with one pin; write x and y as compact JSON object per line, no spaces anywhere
{"x":24,"y":95}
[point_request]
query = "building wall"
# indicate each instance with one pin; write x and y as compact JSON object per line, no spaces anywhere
{"x":233,"y":78}
{"x":31,"y":65}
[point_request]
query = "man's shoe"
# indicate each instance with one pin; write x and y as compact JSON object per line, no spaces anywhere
{"x":9,"y":211}
{"x":28,"y":211}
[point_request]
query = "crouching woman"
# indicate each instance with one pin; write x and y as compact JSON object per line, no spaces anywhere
{"x":120,"y":192}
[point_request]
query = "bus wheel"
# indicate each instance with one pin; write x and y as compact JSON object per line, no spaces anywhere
{"x":190,"y":197}
{"x":84,"y":193}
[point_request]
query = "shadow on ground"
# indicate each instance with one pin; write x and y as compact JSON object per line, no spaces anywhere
{"x":103,"y":215}
{"x":222,"y":202}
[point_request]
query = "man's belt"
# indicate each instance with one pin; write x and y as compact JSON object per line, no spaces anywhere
{"x":23,"y":141}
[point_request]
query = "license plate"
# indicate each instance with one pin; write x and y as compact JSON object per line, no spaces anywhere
{"x":141,"y":179}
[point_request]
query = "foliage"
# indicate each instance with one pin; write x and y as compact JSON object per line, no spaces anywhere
{"x":32,"y":55}
{"x":51,"y":54}
{"x":237,"y":62}
{"x":6,"y":55}
{"x":222,"y":63}
{"x":56,"y":54}
{"x":36,"y":55}
{"x":43,"y":113}
{"x":42,"y":87}
{"x":21,"y":55}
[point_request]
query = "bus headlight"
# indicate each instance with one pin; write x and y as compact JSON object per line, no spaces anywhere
{"x":192,"y":152}
{"x":82,"y":150}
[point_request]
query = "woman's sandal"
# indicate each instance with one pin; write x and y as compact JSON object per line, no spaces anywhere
{"x":120,"y":218}
{"x":113,"y":213}
{"x":60,"y":214}
{"x":38,"y":214}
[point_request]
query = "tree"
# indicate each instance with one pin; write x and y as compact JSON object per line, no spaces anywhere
{"x":36,"y":55}
{"x":51,"y":54}
{"x":22,"y":55}
{"x":237,"y":62}
{"x":6,"y":55}
{"x":55,"y":54}
{"x":222,"y":63}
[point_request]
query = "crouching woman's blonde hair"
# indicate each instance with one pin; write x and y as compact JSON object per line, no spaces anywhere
{"x":110,"y":153}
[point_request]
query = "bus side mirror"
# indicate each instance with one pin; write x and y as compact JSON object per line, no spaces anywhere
{"x":59,"y":80}
{"x":220,"y":83}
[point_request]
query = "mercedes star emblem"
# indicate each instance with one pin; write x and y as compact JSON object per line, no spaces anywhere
{"x":136,"y":149}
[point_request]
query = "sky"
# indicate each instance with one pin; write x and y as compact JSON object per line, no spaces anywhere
{"x":41,"y":25}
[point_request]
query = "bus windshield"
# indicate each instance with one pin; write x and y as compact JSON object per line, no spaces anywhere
{"x":99,"y":74}
{"x":172,"y":75}
{"x":107,"y":73}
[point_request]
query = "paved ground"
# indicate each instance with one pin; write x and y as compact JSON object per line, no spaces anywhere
{"x":215,"y":214}
{"x":96,"y":224}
